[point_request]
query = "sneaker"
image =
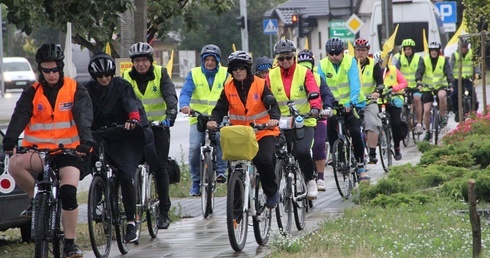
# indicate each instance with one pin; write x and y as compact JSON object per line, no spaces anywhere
{"x":373,"y":159}
{"x":456,"y":117}
{"x":163,"y":222}
{"x":72,"y":251}
{"x":312,"y":190}
{"x":130,"y":233}
{"x":364,"y":178}
{"x":398,"y":155}
{"x":272,"y":201}
{"x":427,"y":137}
{"x":195,"y":189}
{"x":221,"y":179}
{"x":443,"y":122}
{"x":320,"y":185}
{"x":27,"y":213}
{"x":418,"y":129}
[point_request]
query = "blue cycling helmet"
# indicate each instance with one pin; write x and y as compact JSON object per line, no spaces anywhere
{"x":263,"y":63}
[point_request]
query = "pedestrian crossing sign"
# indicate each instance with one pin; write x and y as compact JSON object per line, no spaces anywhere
{"x":270,"y":26}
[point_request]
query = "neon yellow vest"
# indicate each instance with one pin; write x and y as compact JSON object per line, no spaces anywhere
{"x":408,"y":70}
{"x":390,"y":80}
{"x":204,"y":99}
{"x":298,"y":92}
{"x":153,"y":101}
{"x":367,"y":78}
{"x":435,"y":77}
{"x":467,"y":65}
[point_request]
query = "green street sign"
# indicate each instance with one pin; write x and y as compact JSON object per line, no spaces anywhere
{"x":339,"y":29}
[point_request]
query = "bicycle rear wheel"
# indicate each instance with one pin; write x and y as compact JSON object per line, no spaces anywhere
{"x":140,"y":203}
{"x":284,"y":212}
{"x":435,"y":127}
{"x":99,"y":217}
{"x":405,"y":117}
{"x":236,"y":216}
{"x":153,"y":208}
{"x":300,"y":203}
{"x":207,"y":185}
{"x":384,"y":145}
{"x":262,"y":220}
{"x":120,"y":220}
{"x":341,"y":168}
{"x":41,"y":222}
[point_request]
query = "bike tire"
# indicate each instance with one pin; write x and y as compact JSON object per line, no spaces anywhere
{"x":341,"y":168}
{"x":153,"y":208}
{"x":120,"y":220}
{"x":140,"y":203}
{"x":391,"y":149}
{"x":299,"y":192}
{"x":42,"y":220}
{"x":436,"y":126}
{"x":99,"y":217}
{"x":262,"y":220}
{"x":207,"y":185}
{"x":466,"y":107}
{"x":284,"y":212}
{"x":236,"y":216}
{"x":406,"y":118}
{"x":58,"y":233}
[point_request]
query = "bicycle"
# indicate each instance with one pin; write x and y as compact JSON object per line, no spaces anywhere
{"x":46,"y":214}
{"x":409,"y":117}
{"x":435,"y":117}
{"x":245,"y":197}
{"x":105,"y":207}
{"x":385,"y":139}
{"x":208,"y":167}
{"x":467,"y":98}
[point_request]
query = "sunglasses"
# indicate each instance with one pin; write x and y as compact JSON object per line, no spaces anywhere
{"x":100,"y":75}
{"x":280,"y":59}
{"x":49,"y":70}
{"x":335,"y":53}
{"x":238,"y":68}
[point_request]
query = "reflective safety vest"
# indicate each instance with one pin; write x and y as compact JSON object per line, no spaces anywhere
{"x":435,"y":77}
{"x":204,"y":99}
{"x":390,"y":80}
{"x":253,"y":112}
{"x":467,"y":65}
{"x":152,"y":99}
{"x":48,"y":128}
{"x":367,"y":78}
{"x":298,"y":92}
{"x":408,"y":70}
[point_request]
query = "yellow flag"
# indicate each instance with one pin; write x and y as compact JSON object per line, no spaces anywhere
{"x":350,"y":48}
{"x":461,"y":30}
{"x":426,"y":45}
{"x":108,"y":49}
{"x":170,"y":64}
{"x":306,"y":44}
{"x":233,"y":47}
{"x":389,"y":44}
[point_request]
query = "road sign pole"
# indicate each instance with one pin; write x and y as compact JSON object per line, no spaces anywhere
{"x":2,"y":84}
{"x":243,"y":12}
{"x":270,"y":45}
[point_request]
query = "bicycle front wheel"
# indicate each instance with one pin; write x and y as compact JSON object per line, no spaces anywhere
{"x":41,"y":222}
{"x":153,"y":208}
{"x":300,"y":202}
{"x":140,"y":202}
{"x":284,"y":209}
{"x":435,"y":126}
{"x":236,"y":216}
{"x":120,"y":219}
{"x":262,"y":220}
{"x":58,"y":234}
{"x":341,"y":168}
{"x":207,"y":185}
{"x":384,"y":145}
{"x":99,"y":217}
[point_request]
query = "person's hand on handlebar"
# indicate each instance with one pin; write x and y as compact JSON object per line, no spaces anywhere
{"x":131,"y":124}
{"x":328,"y":112}
{"x":272,"y":123}
{"x":212,"y":125}
{"x":186,"y":110}
{"x":314,"y":112}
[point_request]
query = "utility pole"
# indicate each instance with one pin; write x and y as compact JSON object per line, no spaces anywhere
{"x":243,"y":13}
{"x":387,"y":19}
{"x":2,"y":85}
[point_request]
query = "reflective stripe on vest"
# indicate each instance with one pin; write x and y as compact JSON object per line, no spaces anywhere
{"x":434,"y":77}
{"x":152,"y":99}
{"x":467,"y":65}
{"x":367,"y":78}
{"x":298,"y":92}
{"x":204,"y":99}
{"x":408,"y":70}
{"x":50,"y":127}
{"x":253,"y":112}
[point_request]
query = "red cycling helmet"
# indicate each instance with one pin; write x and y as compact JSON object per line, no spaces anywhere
{"x":362,"y":43}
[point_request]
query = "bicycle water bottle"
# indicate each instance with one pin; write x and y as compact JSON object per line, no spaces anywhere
{"x":300,"y":131}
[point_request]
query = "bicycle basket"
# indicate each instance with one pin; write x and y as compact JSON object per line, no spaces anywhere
{"x":201,"y":123}
{"x":238,"y":142}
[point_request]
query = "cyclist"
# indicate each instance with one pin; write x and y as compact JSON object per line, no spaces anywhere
{"x":114,"y":102}
{"x":342,"y":76}
{"x":289,"y":81}
{"x":201,"y":90}
{"x":434,"y":71}
{"x":54,"y":99}
{"x":371,"y":82}
{"x":306,"y":59}
{"x":242,"y":99}
{"x":153,"y":86}
{"x":469,"y":72}
{"x":395,"y":82}
{"x":407,"y":64}
{"x":262,"y":66}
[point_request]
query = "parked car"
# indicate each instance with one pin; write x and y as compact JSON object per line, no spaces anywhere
{"x":13,"y":203}
{"x":18,"y":73}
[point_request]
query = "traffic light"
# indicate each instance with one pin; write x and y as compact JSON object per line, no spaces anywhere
{"x":4,"y":26}
{"x":294,"y":19}
{"x":305,"y":25}
{"x":240,"y":21}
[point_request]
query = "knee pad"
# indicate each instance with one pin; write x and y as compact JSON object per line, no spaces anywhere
{"x":68,"y":196}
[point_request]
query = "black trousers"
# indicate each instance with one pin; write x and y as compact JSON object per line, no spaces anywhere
{"x":265,"y":162}
{"x":396,"y":124}
{"x":162,"y":146}
{"x":354,"y":126}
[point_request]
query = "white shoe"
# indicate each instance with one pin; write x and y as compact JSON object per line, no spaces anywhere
{"x":312,"y":191}
{"x":320,"y":185}
{"x":418,"y":129}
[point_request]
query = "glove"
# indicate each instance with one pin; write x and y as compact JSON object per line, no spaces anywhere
{"x":169,"y":121}
{"x":133,"y":122}
{"x":314,"y":112}
{"x":327,"y":112}
{"x":380,"y":89}
{"x":9,"y":144}
{"x":84,"y":148}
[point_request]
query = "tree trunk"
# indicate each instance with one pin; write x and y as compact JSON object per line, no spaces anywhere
{"x":475,"y":219}
{"x":140,"y":20}
{"x":127,"y":31}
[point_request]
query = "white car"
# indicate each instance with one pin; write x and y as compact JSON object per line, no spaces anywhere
{"x":18,"y":73}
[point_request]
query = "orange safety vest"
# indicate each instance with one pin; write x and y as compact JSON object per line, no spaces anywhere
{"x":47,"y":127}
{"x":253,"y":112}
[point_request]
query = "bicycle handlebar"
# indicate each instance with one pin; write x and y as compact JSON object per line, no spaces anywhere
{"x":61,"y":148}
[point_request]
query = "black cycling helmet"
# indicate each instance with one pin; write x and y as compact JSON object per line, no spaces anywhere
{"x":49,"y":52}
{"x":306,"y":55}
{"x":334,"y":46}
{"x":141,"y":49}
{"x":284,"y":46}
{"x":263,"y":63}
{"x":101,"y":64}
{"x":240,"y":58}
{"x":465,"y":42}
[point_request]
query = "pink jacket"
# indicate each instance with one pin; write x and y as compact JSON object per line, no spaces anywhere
{"x":402,"y":82}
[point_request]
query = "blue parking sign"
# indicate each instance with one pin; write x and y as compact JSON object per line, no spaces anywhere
{"x":448,"y":12}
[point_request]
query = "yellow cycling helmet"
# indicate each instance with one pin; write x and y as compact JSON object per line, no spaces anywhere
{"x":408,"y":43}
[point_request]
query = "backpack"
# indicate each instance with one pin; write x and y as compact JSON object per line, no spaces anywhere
{"x":173,"y":170}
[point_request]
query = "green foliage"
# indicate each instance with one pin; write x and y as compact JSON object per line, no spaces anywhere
{"x":476,"y":15}
{"x":399,"y":199}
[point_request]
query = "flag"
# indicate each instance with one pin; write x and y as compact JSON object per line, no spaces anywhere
{"x":389,"y":44}
{"x":426,"y":45}
{"x":233,"y":47}
{"x":306,"y":43}
{"x":108,"y":49}
{"x":452,"y":45}
{"x":350,"y":48}
{"x":170,"y":64}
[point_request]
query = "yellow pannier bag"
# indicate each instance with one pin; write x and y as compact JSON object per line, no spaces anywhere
{"x":238,"y":142}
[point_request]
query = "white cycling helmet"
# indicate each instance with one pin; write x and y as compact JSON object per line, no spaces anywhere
{"x":377,"y":57}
